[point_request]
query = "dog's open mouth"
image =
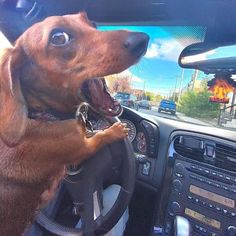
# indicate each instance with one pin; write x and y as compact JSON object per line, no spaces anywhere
{"x":95,"y":92}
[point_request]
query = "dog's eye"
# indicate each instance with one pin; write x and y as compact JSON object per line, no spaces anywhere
{"x":60,"y":38}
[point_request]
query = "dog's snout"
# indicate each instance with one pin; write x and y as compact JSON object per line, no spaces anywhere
{"x":137,"y":43}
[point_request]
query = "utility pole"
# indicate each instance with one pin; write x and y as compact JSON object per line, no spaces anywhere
{"x":233,"y":102}
{"x":181,"y":84}
{"x":144,"y":87}
{"x":194,"y":77}
{"x":176,"y":81}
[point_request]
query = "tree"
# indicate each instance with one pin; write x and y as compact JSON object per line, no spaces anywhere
{"x":196,"y":104}
{"x":119,"y":83}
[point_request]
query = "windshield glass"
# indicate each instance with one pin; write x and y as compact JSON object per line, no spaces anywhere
{"x":173,"y":92}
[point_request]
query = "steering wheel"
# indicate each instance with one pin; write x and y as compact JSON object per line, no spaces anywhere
{"x":85,"y":189}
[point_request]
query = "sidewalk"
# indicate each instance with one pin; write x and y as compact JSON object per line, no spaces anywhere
{"x":183,"y":117}
{"x":230,"y":124}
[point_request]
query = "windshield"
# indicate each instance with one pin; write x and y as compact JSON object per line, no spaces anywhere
{"x":173,"y":92}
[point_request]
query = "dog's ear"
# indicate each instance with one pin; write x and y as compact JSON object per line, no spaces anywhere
{"x":13,"y":110}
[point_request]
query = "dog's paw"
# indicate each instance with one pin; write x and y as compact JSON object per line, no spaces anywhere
{"x":116,"y":132}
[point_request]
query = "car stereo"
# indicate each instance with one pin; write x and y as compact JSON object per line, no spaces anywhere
{"x":201,"y":180}
{"x":205,"y":195}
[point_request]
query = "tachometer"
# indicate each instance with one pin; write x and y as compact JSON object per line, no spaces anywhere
{"x":132,"y":129}
{"x":141,"y":142}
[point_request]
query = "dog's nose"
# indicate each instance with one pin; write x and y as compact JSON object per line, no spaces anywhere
{"x":137,"y":43}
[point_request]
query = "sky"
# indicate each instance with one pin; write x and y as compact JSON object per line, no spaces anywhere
{"x":158,"y":71}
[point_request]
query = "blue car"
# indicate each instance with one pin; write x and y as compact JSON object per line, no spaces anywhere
{"x":167,"y":106}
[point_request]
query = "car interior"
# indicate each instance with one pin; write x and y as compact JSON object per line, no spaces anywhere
{"x":175,"y":177}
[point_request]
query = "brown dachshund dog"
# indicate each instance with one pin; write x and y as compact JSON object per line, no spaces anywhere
{"x":52,"y":66}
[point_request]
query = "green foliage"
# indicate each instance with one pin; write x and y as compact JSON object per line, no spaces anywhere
{"x":196,"y":104}
{"x":153,"y":97}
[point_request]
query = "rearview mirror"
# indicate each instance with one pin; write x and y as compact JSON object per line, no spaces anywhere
{"x":210,"y":59}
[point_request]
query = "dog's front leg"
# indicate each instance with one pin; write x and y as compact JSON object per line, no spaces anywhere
{"x":114,"y":133}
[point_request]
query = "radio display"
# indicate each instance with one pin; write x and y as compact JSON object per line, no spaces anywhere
{"x":212,"y":196}
{"x":204,"y":219}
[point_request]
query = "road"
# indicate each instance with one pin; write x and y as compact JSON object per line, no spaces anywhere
{"x":178,"y":116}
{"x":154,"y":112}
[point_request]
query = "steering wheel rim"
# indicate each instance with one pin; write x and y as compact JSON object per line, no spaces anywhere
{"x":101,"y":224}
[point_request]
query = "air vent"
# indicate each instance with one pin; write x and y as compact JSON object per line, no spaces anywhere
{"x":189,"y":147}
{"x":226,"y":157}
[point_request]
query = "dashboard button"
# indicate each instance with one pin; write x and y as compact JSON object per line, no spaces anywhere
{"x":193,"y":176}
{"x":209,"y":182}
{"x":178,"y":186}
{"x":233,"y":214}
{"x":220,"y":176}
{"x":215,"y":185}
{"x":196,"y":200}
{"x":200,"y":179}
{"x":225,"y":212}
{"x":227,"y":178}
{"x":193,"y":167}
{"x":218,"y":209}
{"x":146,"y":168}
{"x":225,"y":188}
{"x":175,"y":207}
{"x":180,"y":169}
{"x":190,"y":198}
{"x":213,"y":174}
{"x":231,"y":231}
{"x":210,"y":206}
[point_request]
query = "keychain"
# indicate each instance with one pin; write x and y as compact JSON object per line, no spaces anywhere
{"x":82,"y":117}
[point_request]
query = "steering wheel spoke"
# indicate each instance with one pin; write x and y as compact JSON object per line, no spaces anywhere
{"x":91,"y":201}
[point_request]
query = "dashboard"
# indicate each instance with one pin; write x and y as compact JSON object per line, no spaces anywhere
{"x":190,"y":168}
{"x":193,"y":168}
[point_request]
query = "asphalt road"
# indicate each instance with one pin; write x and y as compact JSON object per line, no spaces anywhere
{"x":154,"y":112}
{"x":178,"y":116}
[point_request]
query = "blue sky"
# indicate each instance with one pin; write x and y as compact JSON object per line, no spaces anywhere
{"x":158,"y":69}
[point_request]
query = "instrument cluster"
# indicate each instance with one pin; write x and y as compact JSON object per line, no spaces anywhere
{"x":136,"y":136}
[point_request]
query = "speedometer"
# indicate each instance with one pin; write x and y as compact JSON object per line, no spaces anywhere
{"x":132,"y":129}
{"x":102,"y":124}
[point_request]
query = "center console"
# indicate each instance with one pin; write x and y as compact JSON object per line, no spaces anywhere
{"x":203,"y":187}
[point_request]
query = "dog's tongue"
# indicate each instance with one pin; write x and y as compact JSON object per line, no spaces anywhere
{"x":100,"y":99}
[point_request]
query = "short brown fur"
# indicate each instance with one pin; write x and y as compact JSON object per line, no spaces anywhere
{"x":36,"y":75}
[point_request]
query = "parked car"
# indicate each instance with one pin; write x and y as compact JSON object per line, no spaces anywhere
{"x":145,"y":104}
{"x":127,"y":100}
{"x":167,"y":106}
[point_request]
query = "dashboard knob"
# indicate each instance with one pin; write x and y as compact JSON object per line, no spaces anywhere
{"x":175,"y":207}
{"x":231,"y":231}
{"x":178,"y":186}
{"x":179,"y":169}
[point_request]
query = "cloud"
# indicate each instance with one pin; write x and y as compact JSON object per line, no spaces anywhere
{"x":132,"y":77}
{"x":152,"y":51}
{"x":168,"y":49}
{"x":4,"y":43}
{"x":233,"y":77}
